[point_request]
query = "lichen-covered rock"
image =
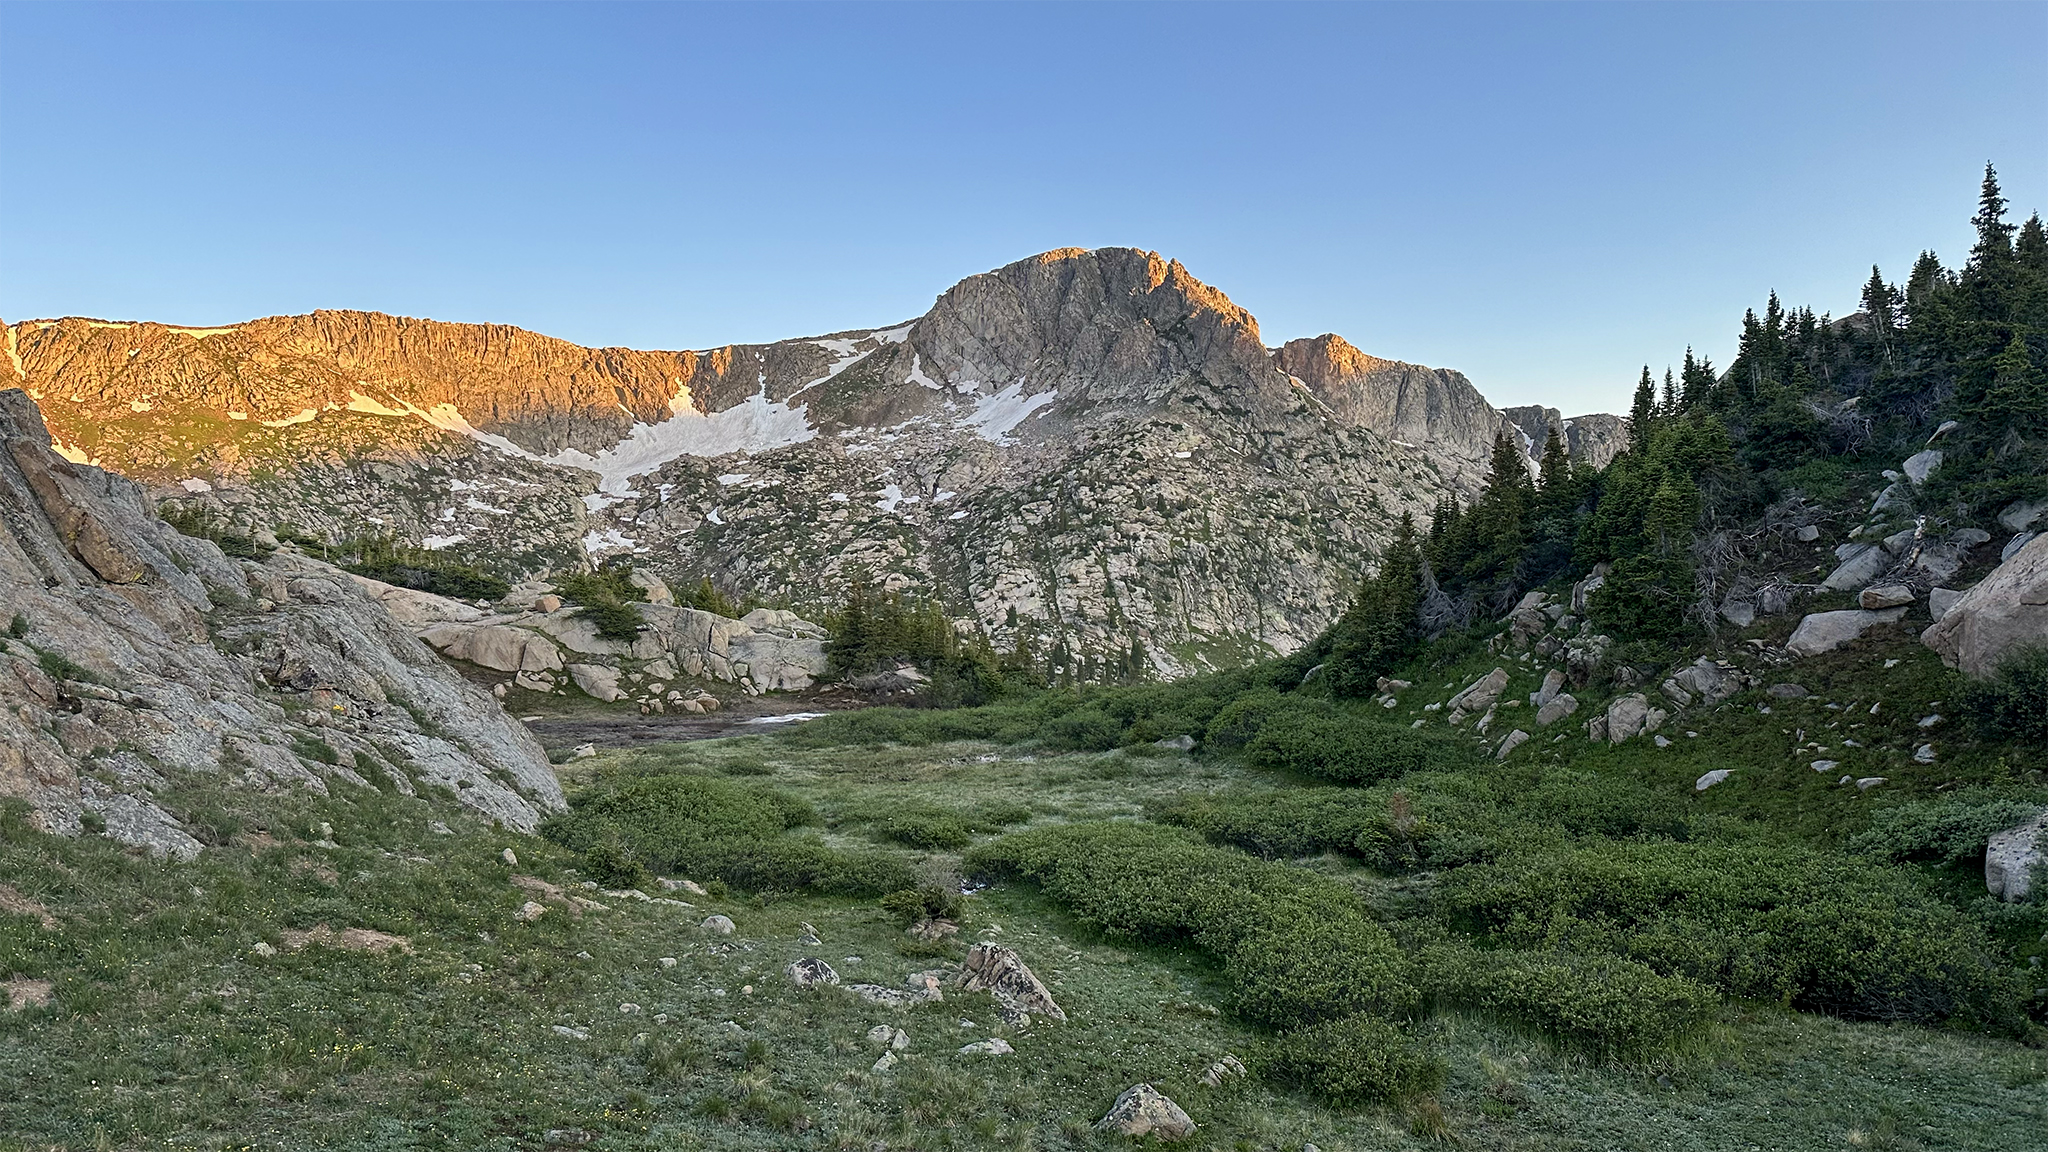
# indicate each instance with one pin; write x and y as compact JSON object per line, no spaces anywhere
{"x":1142,"y":1110}
{"x":999,"y":971}
{"x":810,"y":972}
{"x":2015,"y":857}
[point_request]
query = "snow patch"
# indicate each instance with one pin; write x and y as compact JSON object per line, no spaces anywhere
{"x":303,"y":416}
{"x":195,"y":485}
{"x":140,"y":406}
{"x":731,"y":478}
{"x":714,"y":517}
{"x":891,"y":496}
{"x":841,"y":497}
{"x":756,"y":424}
{"x":71,"y":453}
{"x":995,"y":417}
{"x":436,"y":543}
{"x":917,"y":375}
{"x":785,"y":718}
{"x":477,"y":505}
{"x":896,"y":335}
{"x":610,"y":540}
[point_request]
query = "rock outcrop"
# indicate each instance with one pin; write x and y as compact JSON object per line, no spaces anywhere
{"x":135,"y":653}
{"x":1090,"y":452}
{"x":2015,"y":857}
{"x":1826,"y":631}
{"x":2004,"y":613}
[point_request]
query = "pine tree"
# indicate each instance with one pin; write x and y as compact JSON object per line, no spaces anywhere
{"x":1554,"y":474}
{"x":1642,"y":413}
{"x":2031,"y":249}
{"x":1994,"y":235}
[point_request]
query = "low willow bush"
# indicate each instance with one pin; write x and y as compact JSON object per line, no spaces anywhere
{"x":1353,"y":1061}
{"x":2013,"y":702}
{"x":1826,"y":933}
{"x":705,"y":826}
{"x":1946,"y":830}
{"x":1347,"y":745}
{"x":1297,"y":948}
{"x":1607,"y":1005}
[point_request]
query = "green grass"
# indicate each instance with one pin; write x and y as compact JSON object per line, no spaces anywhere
{"x":168,"y":1031}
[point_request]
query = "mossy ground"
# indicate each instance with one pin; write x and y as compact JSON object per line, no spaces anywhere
{"x":169,"y":1031}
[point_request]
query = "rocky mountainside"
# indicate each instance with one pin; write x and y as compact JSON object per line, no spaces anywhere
{"x":132,"y":651}
{"x":1088,"y":449}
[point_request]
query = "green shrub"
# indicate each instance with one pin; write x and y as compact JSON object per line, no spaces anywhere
{"x":313,"y":748}
{"x":609,"y":583}
{"x":18,"y":627}
{"x":1827,"y":933}
{"x":2013,"y":702}
{"x":1084,"y":729}
{"x":1297,"y":947}
{"x":926,"y":831}
{"x":929,"y":902}
{"x":1353,"y":1061}
{"x":1238,"y":722}
{"x":1283,"y":822}
{"x":708,"y":826}
{"x":614,"y":621}
{"x":1344,"y":745}
{"x":1605,"y":1004}
{"x":1947,"y":830}
{"x":613,"y":863}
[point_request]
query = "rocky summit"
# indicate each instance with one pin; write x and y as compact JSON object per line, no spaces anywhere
{"x":1088,"y":449}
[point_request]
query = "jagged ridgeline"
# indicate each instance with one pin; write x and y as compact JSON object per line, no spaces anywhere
{"x":1087,"y":453}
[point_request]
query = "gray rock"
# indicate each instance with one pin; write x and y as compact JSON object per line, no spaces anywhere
{"x":1807,"y":533}
{"x":1787,"y":691}
{"x":2021,"y":515}
{"x":1920,"y":465}
{"x":1866,"y":783}
{"x":1860,"y":564}
{"x":1709,"y":680}
{"x":1142,"y":1110}
{"x":996,"y":1046}
{"x":718,"y":925}
{"x":1510,"y":742}
{"x":810,"y":972}
{"x":1223,"y":1071}
{"x":1677,"y":694}
{"x":1940,"y":600}
{"x":889,"y":1036}
{"x":1824,"y":765}
{"x":999,"y":971}
{"x":1712,"y":778}
{"x":1827,"y":631}
{"x":1631,"y":716}
{"x":884,"y":1062}
{"x":1885,"y":596}
{"x":138,"y":822}
{"x":1924,"y":754}
{"x":1181,"y":743}
{"x":1556,"y":708}
{"x":2005,"y":612}
{"x":600,"y":681}
{"x":1482,"y":693}
{"x":1553,"y":683}
{"x":1741,"y":613}
{"x":2014,"y":859}
{"x":2013,"y":546}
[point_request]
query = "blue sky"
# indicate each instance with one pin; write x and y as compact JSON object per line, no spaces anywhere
{"x":1544,"y":197}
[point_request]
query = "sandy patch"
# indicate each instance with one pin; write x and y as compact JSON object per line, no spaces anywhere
{"x":14,"y":903}
{"x":348,"y":939}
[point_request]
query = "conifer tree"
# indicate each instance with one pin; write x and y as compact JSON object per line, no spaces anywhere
{"x":1994,"y":235}
{"x":1642,"y":413}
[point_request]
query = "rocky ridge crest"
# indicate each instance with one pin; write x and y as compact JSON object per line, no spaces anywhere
{"x":1090,"y":450}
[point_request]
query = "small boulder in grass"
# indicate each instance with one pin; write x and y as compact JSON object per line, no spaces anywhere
{"x":811,"y":972}
{"x":1885,"y":596}
{"x":718,"y":925}
{"x":1142,"y":1110}
{"x":996,"y":1046}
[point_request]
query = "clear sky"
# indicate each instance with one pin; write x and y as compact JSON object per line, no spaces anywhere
{"x":1544,"y":197}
